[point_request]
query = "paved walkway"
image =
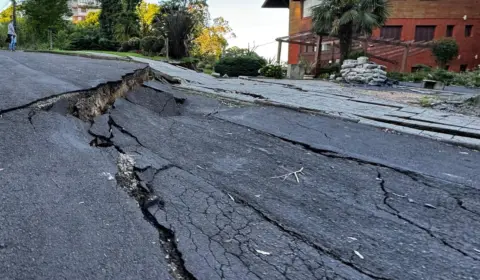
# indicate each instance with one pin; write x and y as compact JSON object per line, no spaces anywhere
{"x":332,"y":99}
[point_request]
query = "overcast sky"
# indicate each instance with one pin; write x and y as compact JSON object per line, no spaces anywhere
{"x":251,"y":24}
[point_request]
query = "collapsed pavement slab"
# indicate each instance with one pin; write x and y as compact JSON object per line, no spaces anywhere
{"x":318,"y":96}
{"x":356,"y":213}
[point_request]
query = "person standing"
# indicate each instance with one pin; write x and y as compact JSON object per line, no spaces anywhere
{"x":12,"y":36}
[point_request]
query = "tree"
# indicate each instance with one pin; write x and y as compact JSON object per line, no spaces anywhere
{"x":6,"y":14}
{"x":346,"y":18}
{"x":111,"y":10}
{"x":181,"y":21}
{"x":44,"y":14}
{"x":444,"y":51}
{"x":91,"y":20}
{"x":146,"y":13}
{"x":212,"y":40}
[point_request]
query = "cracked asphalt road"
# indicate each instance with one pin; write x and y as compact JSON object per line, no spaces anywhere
{"x":209,"y":200}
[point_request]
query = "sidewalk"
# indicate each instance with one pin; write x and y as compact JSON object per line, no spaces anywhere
{"x":331,"y":99}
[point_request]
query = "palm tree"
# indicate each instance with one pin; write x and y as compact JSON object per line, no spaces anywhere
{"x":346,"y":18}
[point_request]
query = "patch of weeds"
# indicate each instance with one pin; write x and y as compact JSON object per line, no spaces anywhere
{"x":426,"y":101}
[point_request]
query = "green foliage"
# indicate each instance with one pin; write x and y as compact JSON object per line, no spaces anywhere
{"x":397,"y":76}
{"x":330,"y":69}
{"x":126,"y":26}
{"x":307,"y":65}
{"x":62,"y":40}
{"x":422,"y":67}
{"x":247,"y":65}
{"x":272,"y":71}
{"x":212,"y":40}
{"x":441,"y":75}
{"x":111,"y":10}
{"x":44,"y":14}
{"x":90,"y":39}
{"x":468,"y":79}
{"x":6,"y":14}
{"x":445,"y":50}
{"x":426,"y":101}
{"x":146,"y":13}
{"x":134,"y":44}
{"x":324,"y":76}
{"x":181,"y":21}
{"x":343,"y":18}
{"x":417,"y":76}
{"x":356,"y":54}
{"x":91,"y":20}
{"x":151,"y":45}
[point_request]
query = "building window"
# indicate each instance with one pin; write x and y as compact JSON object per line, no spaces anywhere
{"x":307,"y":6}
{"x":391,"y":32}
{"x":424,"y":33}
{"x":468,"y":30}
{"x":84,"y":10}
{"x":449,"y":31}
{"x":463,"y":68}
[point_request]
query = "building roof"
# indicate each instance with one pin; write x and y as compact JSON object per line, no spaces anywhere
{"x":275,"y":4}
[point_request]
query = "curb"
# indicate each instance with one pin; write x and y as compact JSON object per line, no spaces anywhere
{"x":86,"y":55}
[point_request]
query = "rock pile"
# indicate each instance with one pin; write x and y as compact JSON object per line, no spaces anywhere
{"x":363,"y":71}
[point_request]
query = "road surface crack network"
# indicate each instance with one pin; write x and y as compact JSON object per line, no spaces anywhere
{"x":397,"y":213}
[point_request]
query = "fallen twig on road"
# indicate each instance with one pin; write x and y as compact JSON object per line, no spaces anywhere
{"x":295,"y":173}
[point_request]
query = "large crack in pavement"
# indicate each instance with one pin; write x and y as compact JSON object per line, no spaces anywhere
{"x":168,"y":129}
{"x":210,"y":189}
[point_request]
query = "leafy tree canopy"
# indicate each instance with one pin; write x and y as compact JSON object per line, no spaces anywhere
{"x":44,"y":14}
{"x":213,"y":39}
{"x":146,"y":14}
{"x":345,"y":18}
{"x":445,"y":50}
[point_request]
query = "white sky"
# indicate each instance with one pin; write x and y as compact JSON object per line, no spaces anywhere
{"x":249,"y":22}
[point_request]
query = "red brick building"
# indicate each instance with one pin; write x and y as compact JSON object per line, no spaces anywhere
{"x":410,"y":21}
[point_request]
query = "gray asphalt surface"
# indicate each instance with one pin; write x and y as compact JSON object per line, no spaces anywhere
{"x":28,"y":77}
{"x":183,"y":186}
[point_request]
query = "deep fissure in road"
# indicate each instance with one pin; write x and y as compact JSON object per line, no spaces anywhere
{"x":88,"y":105}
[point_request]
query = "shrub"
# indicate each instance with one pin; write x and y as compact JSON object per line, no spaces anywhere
{"x":398,"y":76}
{"x":247,"y":65}
{"x":422,"y":67}
{"x":134,"y":44}
{"x":356,"y":54}
{"x":330,"y":69}
{"x":189,"y":62}
{"x":425,"y":101}
{"x":468,"y":79}
{"x":158,"y":45}
{"x":107,"y":44}
{"x":272,"y":71}
{"x":442,"y":75}
{"x":324,"y":76}
{"x":201,"y":65}
{"x":444,"y":50}
{"x":62,"y":40}
{"x":90,"y":39}
{"x":416,"y":76}
{"x":151,"y":45}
